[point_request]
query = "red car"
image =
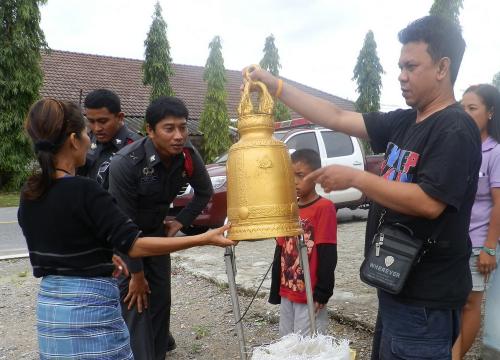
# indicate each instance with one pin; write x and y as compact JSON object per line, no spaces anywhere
{"x":215,"y":212}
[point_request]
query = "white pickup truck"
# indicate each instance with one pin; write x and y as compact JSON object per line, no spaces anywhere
{"x":333,"y":147}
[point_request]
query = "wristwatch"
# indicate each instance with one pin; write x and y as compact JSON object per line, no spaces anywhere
{"x":489,"y":251}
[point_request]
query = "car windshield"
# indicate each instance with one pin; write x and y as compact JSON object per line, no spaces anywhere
{"x":279,"y":134}
{"x":221,"y":159}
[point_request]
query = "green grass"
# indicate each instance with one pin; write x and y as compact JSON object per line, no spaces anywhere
{"x":200,"y":331}
{"x":9,"y":199}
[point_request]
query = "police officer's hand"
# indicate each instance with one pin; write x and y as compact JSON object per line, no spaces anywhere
{"x":138,"y":292}
{"x":216,"y":237}
{"x":172,"y":226}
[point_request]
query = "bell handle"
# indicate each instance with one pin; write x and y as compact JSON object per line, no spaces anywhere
{"x":266,"y":102}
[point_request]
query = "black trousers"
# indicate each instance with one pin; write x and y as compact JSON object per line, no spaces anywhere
{"x":149,"y":330}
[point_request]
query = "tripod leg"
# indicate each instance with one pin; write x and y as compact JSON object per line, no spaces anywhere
{"x":304,"y":263}
{"x":230,"y":271}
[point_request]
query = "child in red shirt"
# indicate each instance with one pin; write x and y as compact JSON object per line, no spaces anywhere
{"x":319,"y":222}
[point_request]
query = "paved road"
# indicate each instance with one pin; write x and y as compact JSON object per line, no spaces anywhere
{"x":11,"y":238}
{"x":12,"y":241}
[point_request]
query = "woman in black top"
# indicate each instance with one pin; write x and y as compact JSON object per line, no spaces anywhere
{"x":71,"y":227}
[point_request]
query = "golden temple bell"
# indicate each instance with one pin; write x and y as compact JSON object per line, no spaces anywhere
{"x":261,"y":196}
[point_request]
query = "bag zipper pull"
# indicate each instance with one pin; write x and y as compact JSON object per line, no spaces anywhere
{"x":379,"y":244}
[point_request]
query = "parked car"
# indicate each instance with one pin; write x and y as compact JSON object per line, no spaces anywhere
{"x":333,"y":147}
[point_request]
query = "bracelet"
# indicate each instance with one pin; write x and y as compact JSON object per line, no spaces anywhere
{"x":279,"y":89}
{"x":489,"y":251}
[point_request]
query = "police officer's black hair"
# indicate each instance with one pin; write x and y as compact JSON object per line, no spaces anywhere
{"x":443,"y":39}
{"x":490,"y":96}
{"x":308,"y":157}
{"x":164,"y":107}
{"x":103,"y":98}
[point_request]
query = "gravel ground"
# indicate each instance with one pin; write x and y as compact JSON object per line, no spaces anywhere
{"x":201,"y":318}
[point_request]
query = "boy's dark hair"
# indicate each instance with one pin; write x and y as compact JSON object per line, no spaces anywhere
{"x":103,"y":98}
{"x":443,"y":39}
{"x":308,"y":157}
{"x":164,"y":107}
{"x":490,"y":96}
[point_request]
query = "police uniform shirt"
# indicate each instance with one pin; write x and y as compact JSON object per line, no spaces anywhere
{"x":144,"y":187}
{"x":100,"y":154}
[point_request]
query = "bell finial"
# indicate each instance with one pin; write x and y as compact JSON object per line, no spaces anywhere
{"x":266,"y":102}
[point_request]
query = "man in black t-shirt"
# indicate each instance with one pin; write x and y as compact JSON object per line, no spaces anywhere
{"x":430,"y":172}
{"x":108,"y":134}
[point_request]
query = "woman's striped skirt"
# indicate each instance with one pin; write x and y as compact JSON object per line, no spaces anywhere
{"x":80,"y":318}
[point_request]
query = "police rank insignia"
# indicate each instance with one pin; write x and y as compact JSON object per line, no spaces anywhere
{"x":118,"y":141}
{"x":93,"y":146}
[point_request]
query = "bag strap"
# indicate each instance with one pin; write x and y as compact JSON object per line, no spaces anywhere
{"x":432,"y":239}
{"x":188,"y":162}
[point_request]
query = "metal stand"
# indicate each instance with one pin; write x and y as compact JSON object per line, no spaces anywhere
{"x":229,"y":259}
{"x":304,"y":264}
{"x":231,"y":277}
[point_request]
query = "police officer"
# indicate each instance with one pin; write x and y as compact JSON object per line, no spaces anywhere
{"x":108,"y":133}
{"x":145,"y":177}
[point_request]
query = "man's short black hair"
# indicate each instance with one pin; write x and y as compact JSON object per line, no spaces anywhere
{"x":443,"y":38}
{"x":308,"y":157}
{"x":103,"y":98}
{"x":164,"y":107}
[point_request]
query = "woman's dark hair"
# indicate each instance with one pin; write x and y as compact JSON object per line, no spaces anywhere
{"x":443,"y":39}
{"x":49,"y":123}
{"x":490,"y":96}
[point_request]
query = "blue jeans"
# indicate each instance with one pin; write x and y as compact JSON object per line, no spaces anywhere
{"x":413,"y":332}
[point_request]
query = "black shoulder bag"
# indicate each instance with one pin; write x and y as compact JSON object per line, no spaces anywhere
{"x":393,"y":253}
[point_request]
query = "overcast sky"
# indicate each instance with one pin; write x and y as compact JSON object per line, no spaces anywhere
{"x":318,"y":40}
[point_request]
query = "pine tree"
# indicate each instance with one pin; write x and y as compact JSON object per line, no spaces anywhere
{"x":496,"y":80}
{"x":157,"y":66}
{"x":214,"y":120}
{"x":271,"y":63}
{"x":449,"y":9}
{"x":367,"y":74}
{"x":21,"y":77}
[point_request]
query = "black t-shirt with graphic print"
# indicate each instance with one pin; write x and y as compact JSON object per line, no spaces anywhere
{"x":442,"y":154}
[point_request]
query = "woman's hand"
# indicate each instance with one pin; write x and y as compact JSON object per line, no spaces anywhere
{"x":120,"y":267}
{"x":486,"y":263}
{"x":216,"y":237}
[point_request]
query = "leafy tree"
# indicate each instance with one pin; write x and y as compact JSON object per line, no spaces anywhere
{"x":449,"y":9}
{"x":271,"y":63}
{"x":157,"y":66}
{"x":214,"y":120}
{"x":496,"y":80}
{"x":367,"y":74}
{"x":21,"y":77}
